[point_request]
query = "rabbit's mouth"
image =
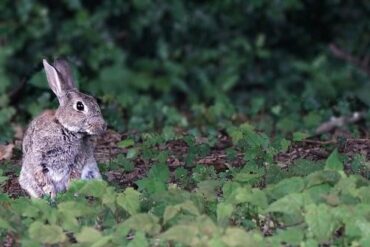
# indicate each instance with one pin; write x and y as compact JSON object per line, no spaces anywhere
{"x":96,"y":128}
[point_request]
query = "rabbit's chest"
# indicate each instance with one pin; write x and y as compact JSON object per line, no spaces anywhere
{"x":63,"y":159}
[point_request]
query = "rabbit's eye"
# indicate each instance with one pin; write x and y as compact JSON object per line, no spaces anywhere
{"x":80,"y":106}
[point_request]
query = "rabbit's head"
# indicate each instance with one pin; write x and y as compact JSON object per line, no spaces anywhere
{"x":77,"y":112}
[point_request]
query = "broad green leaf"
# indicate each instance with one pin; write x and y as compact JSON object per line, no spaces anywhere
{"x":289,"y":204}
{"x":321,"y":222}
{"x":156,"y":181}
{"x":258,"y":198}
{"x":109,"y":198}
{"x":152,"y":185}
{"x":169,"y":213}
{"x":126,"y":143}
{"x":95,"y":188}
{"x":208,"y":188}
{"x":318,"y":193}
{"x":69,"y":222}
{"x":253,"y":138}
{"x":320,"y":177}
{"x":46,"y":234}
{"x":334,"y":162}
{"x":88,"y":235}
{"x":228,"y":190}
{"x":365,"y":241}
{"x":364,"y":194}
{"x":224,"y":211}
{"x":300,"y":136}
{"x":207,"y":226}
{"x":310,"y":243}
{"x":347,"y":185}
{"x":103,"y":241}
{"x":4,"y":224}
{"x":354,"y":217}
{"x":185,"y":234}
{"x":172,"y":210}
{"x":129,"y":200}
{"x":239,"y":237}
{"x":247,"y":177}
{"x":120,"y":234}
{"x":131,"y":153}
{"x":235,"y":134}
{"x":290,"y":236}
{"x":139,"y":240}
{"x":75,"y":208}
{"x":286,"y":186}
{"x":160,"y":172}
{"x":143,"y":222}
{"x":216,"y":242}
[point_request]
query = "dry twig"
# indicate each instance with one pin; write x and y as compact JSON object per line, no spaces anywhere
{"x":336,"y":122}
{"x":340,"y":53}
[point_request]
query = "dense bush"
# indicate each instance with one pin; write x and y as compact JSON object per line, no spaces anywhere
{"x":259,"y":54}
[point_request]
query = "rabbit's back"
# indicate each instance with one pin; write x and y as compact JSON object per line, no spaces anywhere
{"x":42,"y":122}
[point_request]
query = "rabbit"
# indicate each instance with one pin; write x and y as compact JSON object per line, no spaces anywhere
{"x":58,"y":146}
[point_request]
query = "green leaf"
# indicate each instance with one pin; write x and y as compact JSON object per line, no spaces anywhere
{"x":289,"y":204}
{"x":160,"y":172}
{"x":88,"y":235}
{"x":143,"y":222}
{"x":126,"y":143}
{"x":185,"y":234}
{"x":208,"y":188}
{"x":109,"y":198}
{"x":169,"y":213}
{"x":287,"y":186}
{"x":253,"y":138}
{"x":235,"y":134}
{"x":4,"y":224}
{"x":131,"y":153}
{"x":322,"y":177}
{"x":103,"y":241}
{"x":334,"y":162}
{"x":321,"y":222}
{"x":173,"y":210}
{"x":224,"y":211}
{"x":129,"y":200}
{"x":157,"y":179}
{"x":290,"y":236}
{"x":246,"y":177}
{"x":95,"y":188}
{"x":139,"y":240}
{"x":75,"y":208}
{"x":46,"y":234}
{"x":238,"y":237}
{"x":300,"y":136}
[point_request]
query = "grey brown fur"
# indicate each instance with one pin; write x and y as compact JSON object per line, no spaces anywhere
{"x":58,"y":145}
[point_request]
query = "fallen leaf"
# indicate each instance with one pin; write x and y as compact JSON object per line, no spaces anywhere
{"x":6,"y":151}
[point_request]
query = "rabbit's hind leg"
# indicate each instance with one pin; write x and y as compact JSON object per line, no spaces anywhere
{"x":45,"y":183}
{"x":29,"y":184}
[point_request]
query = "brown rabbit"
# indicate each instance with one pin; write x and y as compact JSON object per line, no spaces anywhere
{"x":58,"y":145}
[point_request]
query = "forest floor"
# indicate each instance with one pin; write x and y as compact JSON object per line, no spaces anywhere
{"x":108,"y":149}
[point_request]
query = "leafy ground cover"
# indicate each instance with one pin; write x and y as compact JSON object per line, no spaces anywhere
{"x":177,"y":188}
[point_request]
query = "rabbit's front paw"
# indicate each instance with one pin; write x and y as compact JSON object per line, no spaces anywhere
{"x":89,"y":174}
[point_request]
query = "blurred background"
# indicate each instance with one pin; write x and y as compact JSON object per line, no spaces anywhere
{"x":284,"y":65}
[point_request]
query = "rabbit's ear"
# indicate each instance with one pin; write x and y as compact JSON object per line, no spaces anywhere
{"x":65,"y":72}
{"x":55,"y":80}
